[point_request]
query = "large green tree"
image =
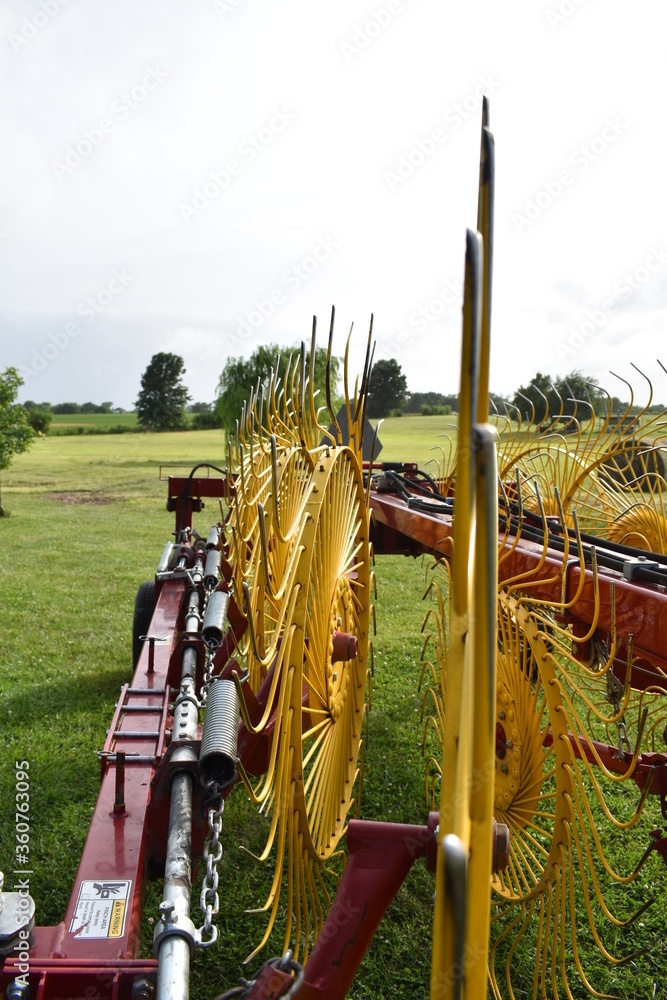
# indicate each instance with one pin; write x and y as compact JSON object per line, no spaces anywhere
{"x":163,"y":397}
{"x":16,"y":434}
{"x":542,"y":401}
{"x":388,"y":389}
{"x":240,"y":375}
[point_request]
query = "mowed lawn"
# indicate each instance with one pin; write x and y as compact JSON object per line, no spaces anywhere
{"x":87,"y":525}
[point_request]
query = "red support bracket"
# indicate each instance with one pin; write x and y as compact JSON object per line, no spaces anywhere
{"x":380,"y":855}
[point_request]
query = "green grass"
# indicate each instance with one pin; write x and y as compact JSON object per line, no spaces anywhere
{"x":100,"y":421}
{"x":97,"y":423}
{"x":416,"y":439}
{"x":87,"y":526}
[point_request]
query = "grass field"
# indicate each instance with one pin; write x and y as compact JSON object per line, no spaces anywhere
{"x":87,"y":525}
{"x":99,"y":421}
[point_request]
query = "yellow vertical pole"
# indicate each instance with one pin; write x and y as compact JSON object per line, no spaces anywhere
{"x":453,"y":833}
{"x":484,"y":626}
{"x":485,"y":206}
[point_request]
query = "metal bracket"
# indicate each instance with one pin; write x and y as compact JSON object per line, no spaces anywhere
{"x":173,"y":925}
{"x":632,"y":567}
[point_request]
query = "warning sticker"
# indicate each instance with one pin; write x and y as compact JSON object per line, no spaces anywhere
{"x":100,"y":909}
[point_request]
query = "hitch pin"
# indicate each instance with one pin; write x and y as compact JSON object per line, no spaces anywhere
{"x":152,"y":639}
{"x":119,"y":796}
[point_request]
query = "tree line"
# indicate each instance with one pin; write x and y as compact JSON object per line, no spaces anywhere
{"x":164,"y":401}
{"x":543,"y":400}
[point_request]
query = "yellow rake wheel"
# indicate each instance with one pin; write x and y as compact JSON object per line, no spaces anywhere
{"x":641,"y":527}
{"x":320,"y":696}
{"x":251,"y":489}
{"x":531,"y":779}
{"x":335,"y":616}
{"x":268,"y":582}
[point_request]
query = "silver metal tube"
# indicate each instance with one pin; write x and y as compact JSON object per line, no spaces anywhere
{"x":213,"y":539}
{"x":215,"y":619}
{"x":173,"y":980}
{"x":175,"y":939}
{"x":165,"y":558}
{"x":192,"y":617}
{"x":212,"y":568}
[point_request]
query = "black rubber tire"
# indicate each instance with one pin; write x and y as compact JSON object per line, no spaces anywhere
{"x":144,"y":606}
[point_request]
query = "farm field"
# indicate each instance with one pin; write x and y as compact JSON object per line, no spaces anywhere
{"x":99,"y":421}
{"x":87,"y":525}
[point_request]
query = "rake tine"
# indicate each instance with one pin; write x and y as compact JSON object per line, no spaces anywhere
{"x":365,"y":377}
{"x":339,"y":435}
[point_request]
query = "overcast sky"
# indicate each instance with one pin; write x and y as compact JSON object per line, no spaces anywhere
{"x":202,"y":177}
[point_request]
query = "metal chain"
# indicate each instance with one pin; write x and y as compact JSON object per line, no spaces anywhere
{"x":207,"y":676}
{"x":208,"y":659}
{"x":614,"y":691}
{"x":208,"y":899}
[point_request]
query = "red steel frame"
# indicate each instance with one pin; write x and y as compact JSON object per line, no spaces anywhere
{"x":127,"y":835}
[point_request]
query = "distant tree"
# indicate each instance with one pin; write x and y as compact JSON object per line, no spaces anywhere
{"x":501,"y":403}
{"x":16,"y":434}
{"x":532,"y":400}
{"x":206,"y":420}
{"x":435,"y":401}
{"x":66,"y":408}
{"x":163,"y":397}
{"x":40,"y":420}
{"x":90,"y":408}
{"x":434,"y":410}
{"x":106,"y":407}
{"x":240,"y":375}
{"x":542,"y":401}
{"x":200,"y":407}
{"x":388,"y":388}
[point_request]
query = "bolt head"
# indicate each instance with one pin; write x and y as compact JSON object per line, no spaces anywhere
{"x":142,"y":989}
{"x":166,"y":908}
{"x":17,"y":991}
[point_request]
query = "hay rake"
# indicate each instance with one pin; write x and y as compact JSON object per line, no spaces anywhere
{"x":544,"y":676}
